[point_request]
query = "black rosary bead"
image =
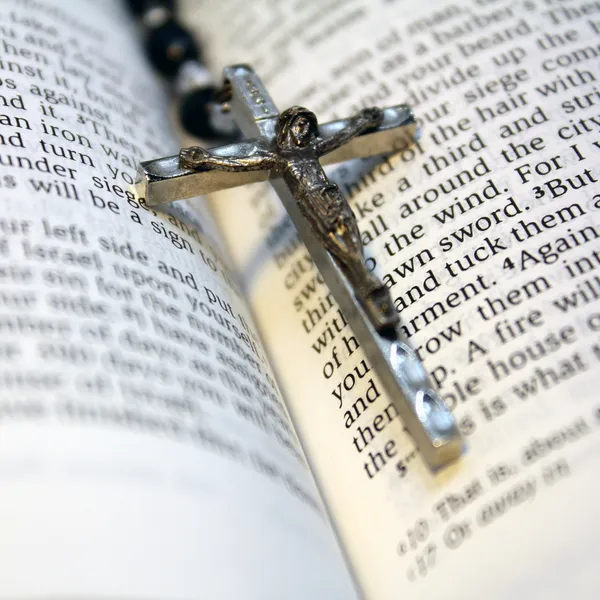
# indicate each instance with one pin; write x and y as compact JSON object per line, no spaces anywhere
{"x":139,"y":7}
{"x":194,"y":114}
{"x":169,"y":46}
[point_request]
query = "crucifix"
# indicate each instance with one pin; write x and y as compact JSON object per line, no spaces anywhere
{"x":288,"y":149}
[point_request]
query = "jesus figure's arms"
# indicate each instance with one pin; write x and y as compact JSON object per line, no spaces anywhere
{"x":196,"y":158}
{"x":365,"y":119}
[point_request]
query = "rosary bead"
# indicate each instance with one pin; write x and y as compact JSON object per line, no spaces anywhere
{"x":139,"y":7}
{"x":169,"y":46}
{"x":194,"y":113}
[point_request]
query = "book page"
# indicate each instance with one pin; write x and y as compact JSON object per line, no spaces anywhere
{"x":486,"y":232}
{"x":144,"y":448}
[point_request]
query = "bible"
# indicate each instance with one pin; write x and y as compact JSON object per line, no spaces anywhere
{"x":184,"y":411}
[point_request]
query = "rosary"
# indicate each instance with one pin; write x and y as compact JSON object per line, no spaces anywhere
{"x":288,"y":149}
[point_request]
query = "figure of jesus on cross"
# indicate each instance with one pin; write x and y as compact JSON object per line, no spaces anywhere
{"x":295,"y":157}
{"x":288,"y":149}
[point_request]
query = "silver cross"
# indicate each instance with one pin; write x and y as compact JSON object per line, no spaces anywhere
{"x":288,"y":150}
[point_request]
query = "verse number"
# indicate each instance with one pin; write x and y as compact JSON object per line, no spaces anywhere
{"x":415,"y":536}
{"x":508,"y":264}
{"x":423,"y":563}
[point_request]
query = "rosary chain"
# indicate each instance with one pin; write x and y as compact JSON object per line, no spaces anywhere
{"x":176,"y":55}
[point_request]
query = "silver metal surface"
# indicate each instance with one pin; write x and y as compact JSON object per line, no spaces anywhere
{"x":162,"y":180}
{"x":288,"y":146}
{"x":428,"y":420}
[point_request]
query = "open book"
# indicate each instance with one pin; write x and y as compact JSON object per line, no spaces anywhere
{"x":184,"y":412}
